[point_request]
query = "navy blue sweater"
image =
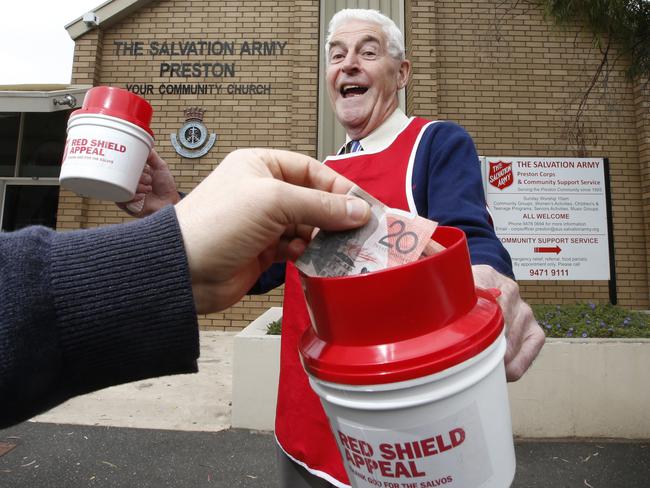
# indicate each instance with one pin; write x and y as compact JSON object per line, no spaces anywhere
{"x":447,"y":188}
{"x":84,"y":310}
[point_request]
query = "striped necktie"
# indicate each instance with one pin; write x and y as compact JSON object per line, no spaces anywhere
{"x":352,"y":147}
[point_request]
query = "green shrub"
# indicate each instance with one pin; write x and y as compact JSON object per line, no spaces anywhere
{"x":591,"y":320}
{"x":577,"y":320}
{"x":275,"y":327}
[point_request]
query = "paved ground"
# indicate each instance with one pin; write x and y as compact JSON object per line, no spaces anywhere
{"x":182,"y":402}
{"x":183,"y":439}
{"x":71,"y":456}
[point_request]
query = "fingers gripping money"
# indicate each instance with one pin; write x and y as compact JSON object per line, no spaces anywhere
{"x":390,"y":238}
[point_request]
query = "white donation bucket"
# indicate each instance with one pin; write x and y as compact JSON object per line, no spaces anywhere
{"x":448,"y":429}
{"x":107,"y":145}
{"x":408,"y":364}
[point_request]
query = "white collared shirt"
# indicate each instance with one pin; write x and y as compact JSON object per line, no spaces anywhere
{"x":383,"y":135}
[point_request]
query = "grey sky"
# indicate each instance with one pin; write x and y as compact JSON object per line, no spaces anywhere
{"x":34,"y":45}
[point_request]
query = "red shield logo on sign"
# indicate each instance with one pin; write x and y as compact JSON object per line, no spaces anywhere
{"x":500,"y":174}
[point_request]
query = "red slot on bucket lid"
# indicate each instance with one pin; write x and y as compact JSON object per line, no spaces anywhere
{"x":400,"y":323}
{"x":118,"y":103}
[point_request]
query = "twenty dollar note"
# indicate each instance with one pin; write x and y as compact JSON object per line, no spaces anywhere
{"x":390,"y":238}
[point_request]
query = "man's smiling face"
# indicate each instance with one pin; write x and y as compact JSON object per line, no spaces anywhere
{"x":362,"y":77}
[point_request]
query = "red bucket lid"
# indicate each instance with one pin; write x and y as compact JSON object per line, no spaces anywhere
{"x":118,"y":103}
{"x":400,"y":323}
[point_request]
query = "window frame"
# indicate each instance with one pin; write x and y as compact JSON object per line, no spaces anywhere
{"x":17,"y":180}
{"x":21,"y":181}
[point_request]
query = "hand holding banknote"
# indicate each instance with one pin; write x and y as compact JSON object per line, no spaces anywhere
{"x":390,"y":238}
{"x":257,"y":207}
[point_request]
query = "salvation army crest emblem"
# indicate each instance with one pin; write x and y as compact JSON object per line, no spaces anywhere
{"x":193,"y":139}
{"x":500,"y":174}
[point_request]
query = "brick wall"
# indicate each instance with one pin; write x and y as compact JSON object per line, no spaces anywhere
{"x":642,"y":103}
{"x":507,"y":76}
{"x":422,"y":50}
{"x":73,"y":211}
{"x":514,"y":81}
{"x":285,"y":118}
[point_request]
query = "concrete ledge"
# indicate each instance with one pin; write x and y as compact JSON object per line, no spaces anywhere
{"x":585,"y":388}
{"x":256,"y":368}
{"x":190,"y":402}
{"x":576,"y":387}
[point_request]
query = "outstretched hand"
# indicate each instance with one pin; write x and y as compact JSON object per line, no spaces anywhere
{"x":524,"y":336}
{"x":257,"y":207}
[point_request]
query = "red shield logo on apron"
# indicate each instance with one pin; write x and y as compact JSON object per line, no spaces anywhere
{"x":500,"y":174}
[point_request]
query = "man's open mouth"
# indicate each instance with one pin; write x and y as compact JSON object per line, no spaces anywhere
{"x":348,"y":91}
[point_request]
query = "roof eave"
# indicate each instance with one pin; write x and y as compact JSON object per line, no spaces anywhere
{"x":107,"y":14}
{"x":41,"y":98}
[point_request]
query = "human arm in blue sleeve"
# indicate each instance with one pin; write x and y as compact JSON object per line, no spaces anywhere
{"x":271,"y":278}
{"x":84,"y":310}
{"x":447,"y":188}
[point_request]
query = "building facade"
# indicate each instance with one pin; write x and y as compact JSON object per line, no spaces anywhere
{"x":254,"y":71}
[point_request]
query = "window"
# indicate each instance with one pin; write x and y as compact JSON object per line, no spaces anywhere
{"x":9,"y":127}
{"x":31,"y":149}
{"x":29,"y":205}
{"x":43,"y":140}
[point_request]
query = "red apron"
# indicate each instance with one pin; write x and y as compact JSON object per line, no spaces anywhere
{"x":301,"y":426}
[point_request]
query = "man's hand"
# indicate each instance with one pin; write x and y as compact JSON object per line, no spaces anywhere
{"x":157,"y":188}
{"x":524,"y":336}
{"x":257,"y":207}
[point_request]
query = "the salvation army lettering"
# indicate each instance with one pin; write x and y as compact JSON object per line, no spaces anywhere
{"x":420,"y":456}
{"x":200,"y":48}
{"x":214,"y":59}
{"x":552,"y":217}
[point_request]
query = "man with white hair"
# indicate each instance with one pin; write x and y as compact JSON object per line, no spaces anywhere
{"x":431,"y":168}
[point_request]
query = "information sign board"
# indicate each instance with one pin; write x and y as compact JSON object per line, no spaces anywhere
{"x":551,"y":215}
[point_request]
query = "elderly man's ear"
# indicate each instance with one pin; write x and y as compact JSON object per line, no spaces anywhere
{"x":404,"y":73}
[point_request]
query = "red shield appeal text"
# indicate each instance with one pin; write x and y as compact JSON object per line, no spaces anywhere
{"x":397,"y":460}
{"x":94,"y":147}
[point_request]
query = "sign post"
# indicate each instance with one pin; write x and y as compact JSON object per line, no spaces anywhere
{"x":551,"y":215}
